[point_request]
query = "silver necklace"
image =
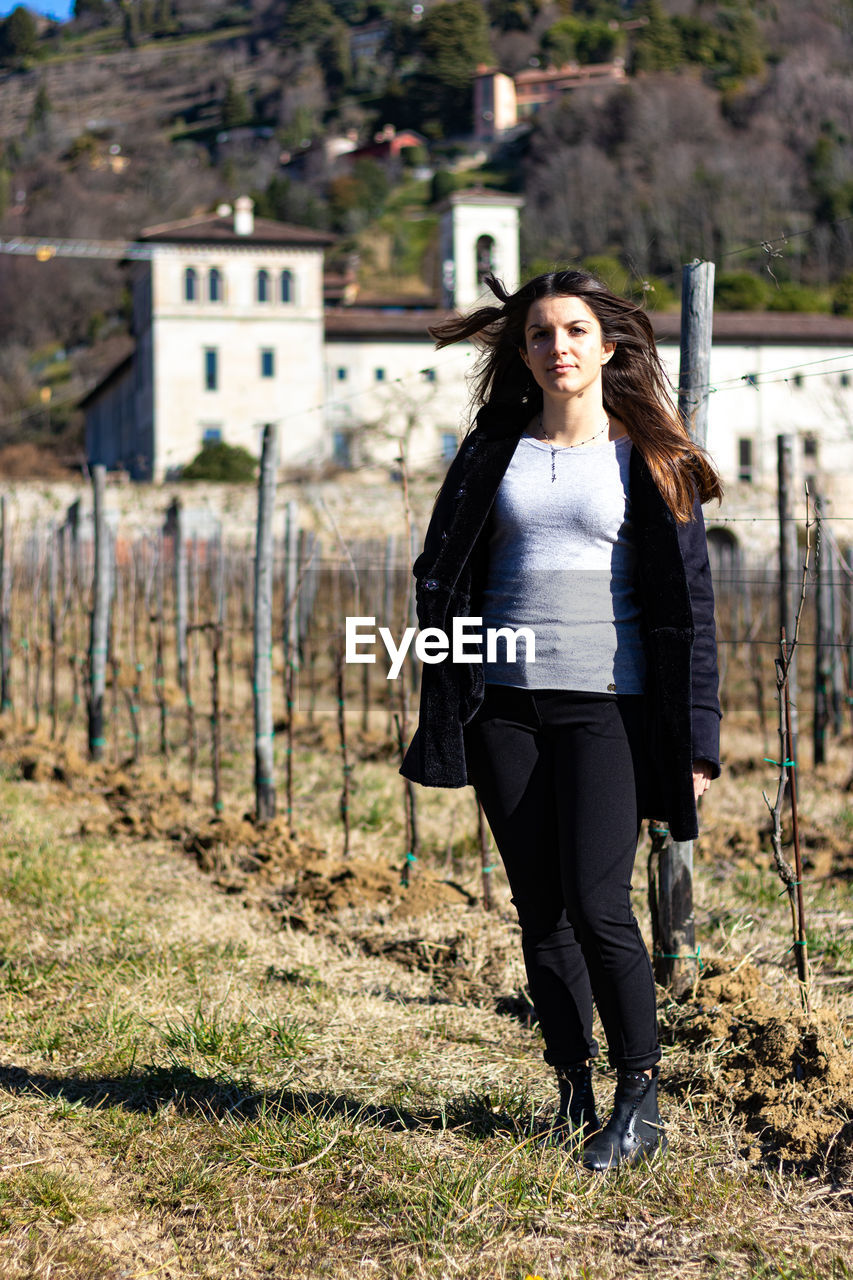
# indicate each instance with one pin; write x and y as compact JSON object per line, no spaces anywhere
{"x":576,"y":444}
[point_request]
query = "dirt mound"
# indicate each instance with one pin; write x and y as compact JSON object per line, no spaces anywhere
{"x":38,"y":759}
{"x":826,"y":851}
{"x":787,"y":1075}
{"x":295,"y":877}
{"x":469,"y":967}
{"x":291,"y":875}
{"x":356,"y":883}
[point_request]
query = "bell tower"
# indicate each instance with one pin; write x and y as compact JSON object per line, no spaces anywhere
{"x":478,"y":236}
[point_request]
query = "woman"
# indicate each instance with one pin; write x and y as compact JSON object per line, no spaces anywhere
{"x":573,"y":508}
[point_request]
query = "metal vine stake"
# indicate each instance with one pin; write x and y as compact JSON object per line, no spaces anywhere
{"x":792,"y":877}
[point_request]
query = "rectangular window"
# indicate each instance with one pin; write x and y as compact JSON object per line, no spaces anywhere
{"x":267,"y":363}
{"x":211,"y":435}
{"x":744,"y":460}
{"x":379,"y":375}
{"x":341,"y":450}
{"x":810,"y":447}
{"x":341,"y":375}
{"x":449,"y":445}
{"x":211,"y":369}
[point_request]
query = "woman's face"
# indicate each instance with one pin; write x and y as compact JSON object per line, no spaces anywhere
{"x":563,"y":347}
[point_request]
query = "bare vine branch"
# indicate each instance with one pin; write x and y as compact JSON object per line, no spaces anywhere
{"x":790,"y":876}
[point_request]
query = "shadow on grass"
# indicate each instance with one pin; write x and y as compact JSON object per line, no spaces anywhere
{"x":151,"y":1089}
{"x":516,"y":1007}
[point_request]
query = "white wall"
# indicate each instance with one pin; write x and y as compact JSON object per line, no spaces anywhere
{"x":800,"y":391}
{"x":461,"y":227}
{"x":820,"y":405}
{"x":406,"y":403}
{"x":237,"y":328}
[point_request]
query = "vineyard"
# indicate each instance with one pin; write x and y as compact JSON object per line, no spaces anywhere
{"x":302,"y":1044}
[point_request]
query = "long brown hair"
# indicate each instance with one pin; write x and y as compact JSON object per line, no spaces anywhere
{"x":636,"y":388}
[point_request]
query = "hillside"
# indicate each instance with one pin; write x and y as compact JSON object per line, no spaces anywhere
{"x":729,"y":135}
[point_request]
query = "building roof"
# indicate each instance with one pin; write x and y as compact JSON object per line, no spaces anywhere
{"x":117,"y":372}
{"x":779,"y":327}
{"x":390,"y":322}
{"x":483,"y":195}
{"x":214,"y":228}
{"x":571,"y":74}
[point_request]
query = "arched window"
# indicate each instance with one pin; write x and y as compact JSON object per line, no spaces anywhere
{"x":262,"y":290}
{"x":286,"y":291}
{"x":190,"y":284}
{"x":214,"y":285}
{"x":485,"y":257}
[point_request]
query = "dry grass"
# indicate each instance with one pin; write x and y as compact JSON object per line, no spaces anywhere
{"x":191,"y":1084}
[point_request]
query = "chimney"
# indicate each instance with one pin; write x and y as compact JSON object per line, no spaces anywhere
{"x":244,"y":216}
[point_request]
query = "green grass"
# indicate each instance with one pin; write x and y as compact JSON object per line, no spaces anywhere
{"x":208,"y":1094}
{"x":832,"y":946}
{"x":210,"y":1033}
{"x":34,"y":1194}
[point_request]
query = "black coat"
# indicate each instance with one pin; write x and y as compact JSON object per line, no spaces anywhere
{"x":677,"y":610}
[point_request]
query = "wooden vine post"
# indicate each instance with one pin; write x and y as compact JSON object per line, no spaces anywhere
{"x":292,"y":543}
{"x":791,"y":877}
{"x":217,"y":632}
{"x":100,"y":618}
{"x":5,"y":612}
{"x":73,"y":572}
{"x":175,"y":524}
{"x":671,"y":861}
{"x":823,"y":643}
{"x":401,"y":718}
{"x":53,"y":626}
{"x":788,"y":575}
{"x":133,"y":695}
{"x":262,"y":664}
{"x":486,"y":867}
{"x":159,"y":656}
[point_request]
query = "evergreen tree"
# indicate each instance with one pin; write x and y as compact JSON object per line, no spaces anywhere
{"x":165,"y":18}
{"x":514,"y":15}
{"x":333,"y":54}
{"x":306,"y":22}
{"x":287,"y":201}
{"x":130,"y":22}
{"x":41,"y":109}
{"x":235,"y":108}
{"x":740,"y":49}
{"x":18,"y":37}
{"x":454,"y":39}
{"x":658,"y":46}
{"x":579,"y":40}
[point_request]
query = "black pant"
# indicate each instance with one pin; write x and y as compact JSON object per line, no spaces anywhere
{"x":557,"y":774}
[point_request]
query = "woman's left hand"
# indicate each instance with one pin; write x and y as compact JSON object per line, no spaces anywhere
{"x":701,"y":777}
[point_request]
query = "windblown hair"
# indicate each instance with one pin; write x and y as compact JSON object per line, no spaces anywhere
{"x":636,"y":389}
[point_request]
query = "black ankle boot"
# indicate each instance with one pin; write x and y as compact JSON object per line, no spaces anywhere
{"x":576,"y":1118}
{"x":634,"y":1130}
